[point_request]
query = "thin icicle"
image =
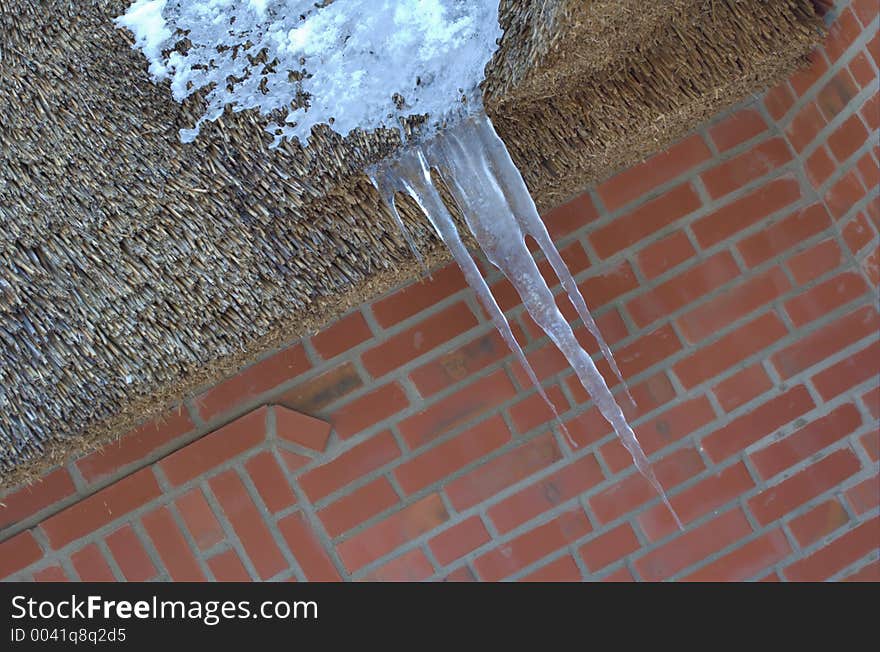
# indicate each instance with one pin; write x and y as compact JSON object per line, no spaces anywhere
{"x":386,"y":191}
{"x":491,"y":194}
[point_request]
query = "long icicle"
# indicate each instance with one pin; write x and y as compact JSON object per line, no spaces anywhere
{"x":489,"y":191}
{"x":386,"y":193}
{"x":526,"y":214}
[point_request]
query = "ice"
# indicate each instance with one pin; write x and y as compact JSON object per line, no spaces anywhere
{"x":499,"y":212}
{"x":354,"y":64}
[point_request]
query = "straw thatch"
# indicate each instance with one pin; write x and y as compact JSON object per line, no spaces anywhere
{"x":135,"y":269}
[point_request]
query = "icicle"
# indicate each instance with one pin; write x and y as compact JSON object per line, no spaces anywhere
{"x":499,"y":212}
{"x":386,"y":191}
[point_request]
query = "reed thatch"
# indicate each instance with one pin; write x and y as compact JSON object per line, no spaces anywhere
{"x":136,"y":269}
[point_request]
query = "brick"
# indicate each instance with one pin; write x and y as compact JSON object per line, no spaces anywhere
{"x":746,"y":211}
{"x":610,"y":547}
{"x":857,"y":233}
{"x":788,"y":232}
{"x":871,"y":112}
{"x":313,"y":396}
{"x":458,"y":408}
{"x":730,"y":349}
{"x":870,"y":172}
{"x":545,"y":494}
{"x":459,"y":540}
{"x":836,"y":95}
{"x":530,"y":547}
{"x":663,"y":255}
{"x":354,"y":463}
{"x":270,"y":482}
{"x":301,"y":429}
{"x":460,"y":364}
{"x":414,"y":298}
{"x":837,"y":555}
{"x":814,"y":347}
{"x":414,"y":342}
{"x":779,"y":100}
{"x":818,"y":522}
{"x":18,"y":552}
{"x":776,"y":501}
{"x":533,"y":410}
{"x":806,"y":441}
{"x":847,"y":138}
{"x":871,"y":399}
{"x":747,"y":167}
{"x":248,"y":524}
{"x":826,"y":297}
{"x":867,"y":573}
{"x":693,"y":546}
{"x":314,"y":561}
{"x":746,"y":562}
{"x":172,"y":547}
{"x":30,"y":499}
{"x":212,"y":450}
{"x":101,"y":508}
{"x":870,"y":264}
{"x":51,"y":574}
{"x":865,"y":496}
{"x":90,"y":565}
{"x":358,"y":506}
{"x":451,"y":456}
{"x":849,"y":372}
{"x":412,"y":566}
{"x":861,"y":70}
{"x":130,"y":556}
{"x":367,"y":410}
{"x":395,"y":530}
{"x":820,"y":166}
{"x":502,"y":471}
{"x":805,"y":126}
{"x":865,"y":10}
{"x":570,"y":216}
{"x":804,"y":78}
{"x":758,"y":423}
{"x":734,"y":304}
{"x":563,"y":569}
{"x":253,"y":381}
{"x":815,"y":261}
{"x":871,"y":443}
{"x":736,"y":129}
{"x":683,"y":289}
{"x":199,"y":519}
{"x":710,"y":493}
{"x":742,"y":387}
{"x":634,"y":490}
{"x":653,"y":215}
{"x":844,"y":194}
{"x":342,"y":335}
{"x":843,"y":32}
{"x":672,"y":425}
{"x":227,"y":567}
{"x":135,"y":446}
{"x":636,"y":181}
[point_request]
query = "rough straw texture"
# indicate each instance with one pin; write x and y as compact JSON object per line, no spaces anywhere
{"x":135,"y":269}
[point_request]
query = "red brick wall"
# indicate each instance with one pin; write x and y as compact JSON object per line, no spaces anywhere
{"x":735,"y":275}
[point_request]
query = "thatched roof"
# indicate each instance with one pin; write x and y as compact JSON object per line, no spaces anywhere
{"x":135,"y":269}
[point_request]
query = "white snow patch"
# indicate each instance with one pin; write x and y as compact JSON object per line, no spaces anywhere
{"x":358,"y":64}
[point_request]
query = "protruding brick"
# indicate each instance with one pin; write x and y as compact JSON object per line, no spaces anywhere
{"x":101,"y":508}
{"x":212,"y":450}
{"x":253,"y":381}
{"x":301,"y":429}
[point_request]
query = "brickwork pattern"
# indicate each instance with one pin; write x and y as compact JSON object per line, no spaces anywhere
{"x":736,"y":277}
